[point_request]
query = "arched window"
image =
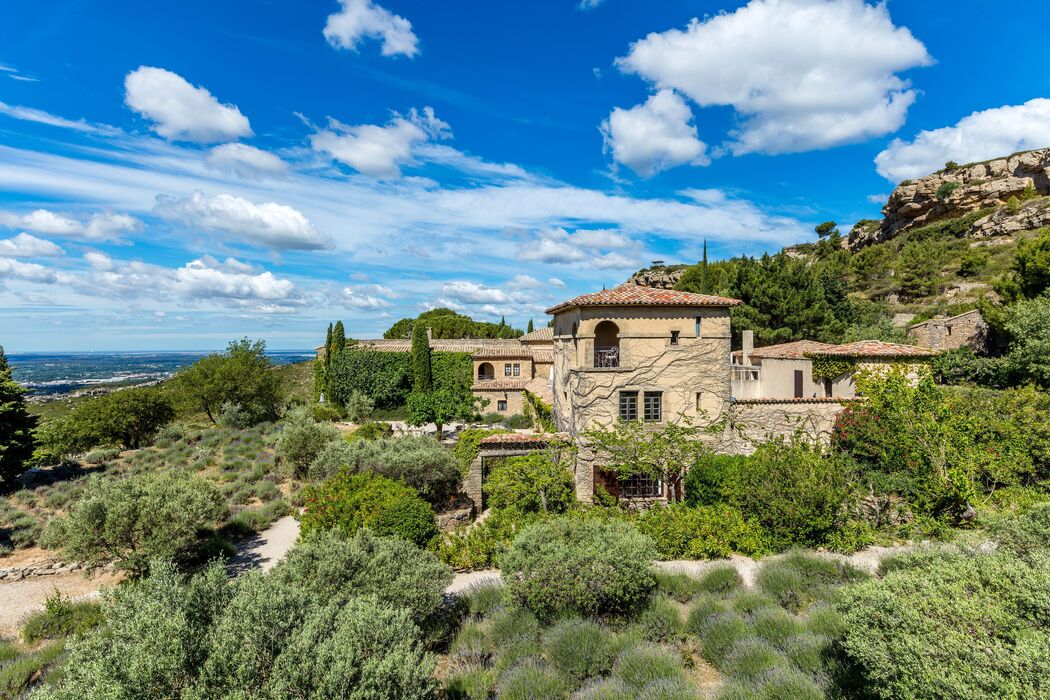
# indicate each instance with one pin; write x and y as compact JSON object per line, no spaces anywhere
{"x":485,"y":372}
{"x":606,"y":345}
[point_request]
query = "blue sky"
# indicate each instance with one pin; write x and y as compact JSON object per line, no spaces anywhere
{"x":174,"y":175}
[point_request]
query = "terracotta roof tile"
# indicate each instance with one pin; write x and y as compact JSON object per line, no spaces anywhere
{"x":636,"y":295}
{"x":874,"y":348}
{"x":795,"y":350}
{"x":500,"y":385}
{"x":540,"y":335}
{"x":541,"y":387}
{"x":469,"y":345}
{"x":802,"y":399}
{"x":546,"y":356}
{"x":524,"y":438}
{"x":512,"y":352}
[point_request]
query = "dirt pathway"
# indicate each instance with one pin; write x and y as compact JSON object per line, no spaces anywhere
{"x":20,"y":598}
{"x":264,"y":550}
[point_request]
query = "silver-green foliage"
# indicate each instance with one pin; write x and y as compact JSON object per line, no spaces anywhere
{"x":302,"y":439}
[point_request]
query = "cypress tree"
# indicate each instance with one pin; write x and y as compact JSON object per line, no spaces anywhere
{"x":338,"y":338}
{"x":530,"y":327}
{"x":328,"y":347}
{"x":502,"y":321}
{"x":704,"y":286}
{"x":16,"y":426}
{"x":422,"y":380}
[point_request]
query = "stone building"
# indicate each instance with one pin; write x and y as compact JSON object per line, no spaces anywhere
{"x":967,"y":329}
{"x":638,"y":353}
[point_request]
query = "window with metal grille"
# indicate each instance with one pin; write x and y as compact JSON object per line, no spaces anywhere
{"x":517,"y":370}
{"x":506,"y":370}
{"x":674,"y":337}
{"x":628,"y":405}
{"x":652,"y":407}
{"x":501,"y":406}
{"x":641,"y":486}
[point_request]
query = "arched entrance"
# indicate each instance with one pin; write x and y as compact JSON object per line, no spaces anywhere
{"x":485,"y":372}
{"x":606,"y":344}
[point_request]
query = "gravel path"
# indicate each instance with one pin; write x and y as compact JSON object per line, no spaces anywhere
{"x":20,"y":598}
{"x":267,"y":548}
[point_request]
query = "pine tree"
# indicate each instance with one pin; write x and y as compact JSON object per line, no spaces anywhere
{"x":338,"y":338}
{"x":530,"y":329}
{"x":422,"y":379}
{"x":16,"y":426}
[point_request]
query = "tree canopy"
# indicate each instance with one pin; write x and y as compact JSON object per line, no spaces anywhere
{"x":16,"y":426}
{"x":243,"y":375}
{"x":446,"y":324}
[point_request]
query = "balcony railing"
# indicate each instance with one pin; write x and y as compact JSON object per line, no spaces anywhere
{"x":607,"y":357}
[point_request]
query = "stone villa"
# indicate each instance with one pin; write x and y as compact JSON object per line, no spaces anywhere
{"x":647,"y":354}
{"x":968,"y":329}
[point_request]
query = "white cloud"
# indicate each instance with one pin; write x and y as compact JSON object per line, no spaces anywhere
{"x":654,"y":136}
{"x":523,"y":282}
{"x":474,"y":293}
{"x":979,"y":136}
{"x":555,"y":282}
{"x":244,"y":160}
{"x":589,"y":4}
{"x":100,"y":227}
{"x":551,"y":251}
{"x":557,"y":246}
{"x":369,"y":296}
{"x":878,"y":199}
{"x":98,"y":261}
{"x":615,"y":261}
{"x":26,"y":272}
{"x":379,"y":151}
{"x":801,"y":74}
{"x":180,"y":111}
{"x":26,"y":246}
{"x":39,"y":116}
{"x":268,"y":224}
{"x":232,"y":280}
{"x":363,"y":19}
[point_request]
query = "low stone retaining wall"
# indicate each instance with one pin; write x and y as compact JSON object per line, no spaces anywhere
{"x":43,"y":569}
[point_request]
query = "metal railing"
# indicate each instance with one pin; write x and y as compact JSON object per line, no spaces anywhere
{"x":607,"y":357}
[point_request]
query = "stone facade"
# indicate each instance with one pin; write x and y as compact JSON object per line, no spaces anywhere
{"x":965,"y":330}
{"x":753,"y":421}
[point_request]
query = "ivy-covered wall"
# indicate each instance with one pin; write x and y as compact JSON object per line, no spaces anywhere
{"x":386,"y":377}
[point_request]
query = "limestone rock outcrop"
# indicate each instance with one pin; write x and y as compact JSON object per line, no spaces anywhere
{"x":658,"y":277}
{"x":952,"y":193}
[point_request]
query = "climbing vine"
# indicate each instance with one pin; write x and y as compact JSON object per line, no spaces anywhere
{"x":542,"y":414}
{"x":831,"y":367}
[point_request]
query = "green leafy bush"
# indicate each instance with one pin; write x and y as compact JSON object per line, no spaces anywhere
{"x":660,"y":621}
{"x":797,"y":580}
{"x":349,"y":502}
{"x":946,"y":189}
{"x":588,"y":567}
{"x":372,"y":430}
{"x":19,"y":675}
{"x":135,"y":519}
{"x":61,"y":618}
{"x":385,"y":377}
{"x":532,"y":483}
{"x":243,"y":376}
{"x":961,"y":626}
{"x":1025,"y":535}
{"x":302,"y":439}
{"x":482,"y":545}
{"x":580,"y":649}
{"x":796,"y":494}
{"x":421,"y":462}
{"x":129,"y":418}
{"x":645,"y":664}
{"x":704,"y":482}
{"x":701,"y":532}
{"x":468,"y":444}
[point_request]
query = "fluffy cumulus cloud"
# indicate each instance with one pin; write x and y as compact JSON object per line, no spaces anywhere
{"x":380,"y":151}
{"x":208,"y":278}
{"x":269,"y":224}
{"x":584,"y":247}
{"x":102,"y":226}
{"x":244,"y":160}
{"x":655,"y":135}
{"x":26,"y":272}
{"x":363,"y":19}
{"x":367,"y":297}
{"x":26,"y":246}
{"x":180,"y":111}
{"x":801,"y":74}
{"x":979,"y":136}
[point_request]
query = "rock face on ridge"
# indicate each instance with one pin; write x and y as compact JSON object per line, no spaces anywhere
{"x":658,"y":277}
{"x":951,"y":193}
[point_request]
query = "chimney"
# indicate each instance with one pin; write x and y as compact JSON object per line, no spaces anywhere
{"x":430,"y":334}
{"x":748,"y":338}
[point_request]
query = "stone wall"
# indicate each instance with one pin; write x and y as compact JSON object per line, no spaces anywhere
{"x":42,"y":569}
{"x":757,"y":420}
{"x":965,"y":330}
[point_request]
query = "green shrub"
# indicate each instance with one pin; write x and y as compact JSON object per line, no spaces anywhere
{"x":797,"y":580}
{"x":605,"y":689}
{"x":19,"y":675}
{"x":789,"y":683}
{"x":752,"y":658}
{"x":1024,"y":535}
{"x":483,"y":544}
{"x":705,"y":607}
{"x":350,"y":502}
{"x":61,"y":618}
{"x":946,"y":189}
{"x":962,"y":626}
{"x":137,"y":518}
{"x":580,"y":649}
{"x":824,"y":619}
{"x":372,"y":430}
{"x":130,"y":418}
{"x":679,"y":587}
{"x":660,"y":621}
{"x":468,"y":444}
{"x":719,"y":634}
{"x":667,"y":689}
{"x":532,"y":483}
{"x":103,"y":455}
{"x":705,"y":480}
{"x":701,"y":532}
{"x":639,"y":666}
{"x":807,"y":652}
{"x":471,"y":684}
{"x":471,"y":645}
{"x":532,"y":680}
{"x":302,"y":439}
{"x":326,"y":412}
{"x":588,"y":567}
{"x":775,"y":625}
{"x":358,"y":407}
{"x":750,"y":602}
{"x":513,"y":624}
{"x":385,"y":377}
{"x":484,"y":598}
{"x":421,"y":462}
{"x":400,"y":574}
{"x":517,"y":421}
{"x":721,"y":581}
{"x":795,"y":493}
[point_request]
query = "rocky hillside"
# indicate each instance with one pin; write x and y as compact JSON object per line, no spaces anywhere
{"x":660,"y":277}
{"x":1009,"y":191}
